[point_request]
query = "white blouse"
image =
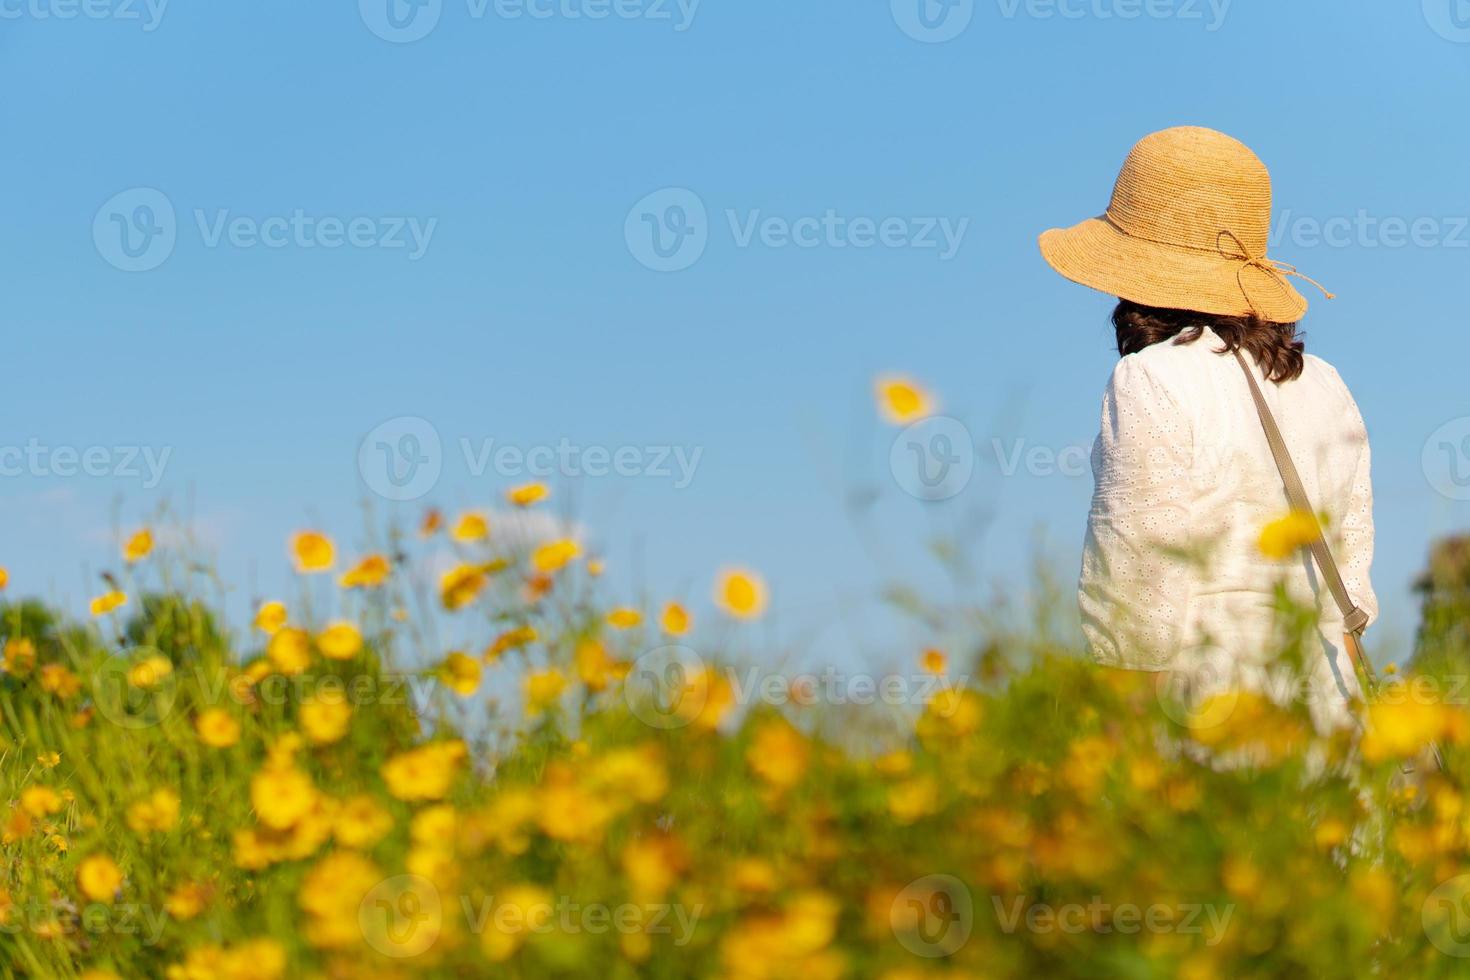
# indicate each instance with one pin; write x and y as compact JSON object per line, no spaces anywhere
{"x":1172,"y":577}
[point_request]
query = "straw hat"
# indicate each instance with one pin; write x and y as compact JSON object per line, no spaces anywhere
{"x":1187,"y":229}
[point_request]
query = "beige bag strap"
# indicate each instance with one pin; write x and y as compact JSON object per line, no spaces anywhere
{"x":1353,"y":618}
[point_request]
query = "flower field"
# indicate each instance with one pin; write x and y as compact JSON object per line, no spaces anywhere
{"x":302,"y":799}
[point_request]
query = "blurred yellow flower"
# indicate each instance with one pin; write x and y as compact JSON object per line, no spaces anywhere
{"x":186,"y":901}
{"x":901,"y":400}
{"x":270,"y":617}
{"x":289,"y":650}
{"x":595,"y":567}
{"x":4,"y":577}
{"x":594,"y":667}
{"x":156,"y":812}
{"x":312,"y":551}
{"x":325,"y":720}
{"x":554,"y":556}
{"x":48,"y":760}
{"x":740,"y":593}
{"x":432,"y":522}
{"x":281,"y":795}
{"x":150,"y":671}
{"x":934,"y":661}
{"x":1403,"y":725}
{"x":339,"y":641}
{"x":425,"y":773}
{"x":513,"y":639}
{"x":217,"y":728}
{"x":138,"y":546}
{"x":460,"y":673}
{"x":98,"y":878}
{"x":58,"y":680}
{"x":369,"y":573}
{"x":361,"y":822}
{"x":107,"y":602}
{"x":624,"y":618}
{"x":20,"y":656}
{"x":527,"y":494}
{"x":332,"y":894}
{"x":471,"y":526}
{"x":778,"y":754}
{"x":40,"y":801}
{"x":520,"y":910}
{"x":1284,"y":537}
{"x":543,"y":688}
{"x":461,"y":585}
{"x":675,"y":620}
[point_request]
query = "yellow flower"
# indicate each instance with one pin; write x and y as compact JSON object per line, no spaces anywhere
{"x":339,"y":641}
{"x":432,"y":522}
{"x":934,"y":661}
{"x":460,"y":673}
{"x":527,"y":494}
{"x":740,"y":593}
{"x":624,"y":618}
{"x":325,"y":720}
{"x":139,"y":546}
{"x":953,"y":712}
{"x":595,"y":667}
{"x":543,"y":688}
{"x":312,"y":551}
{"x":675,"y":619}
{"x":1285,"y":536}
{"x":913,"y":799}
{"x":595,"y":567}
{"x":332,"y":894}
{"x":554,"y":555}
{"x":778,"y":754}
{"x":40,"y":801}
{"x":4,"y":577}
{"x":509,"y":640}
{"x":186,"y":901}
{"x":425,"y":773}
{"x":361,"y":822}
{"x":150,"y":671}
{"x":520,"y":910}
{"x":216,"y":728}
{"x":107,"y":602}
{"x":270,"y":617}
{"x":98,"y":878}
{"x":461,"y":585}
{"x":1404,"y":727}
{"x":289,"y":650}
{"x":369,"y":573}
{"x":58,"y":680}
{"x":471,"y":526}
{"x":158,"y":811}
{"x":48,"y":760}
{"x":902,"y":401}
{"x":20,"y":656}
{"x":281,"y":795}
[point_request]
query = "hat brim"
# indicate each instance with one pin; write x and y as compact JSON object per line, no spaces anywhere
{"x":1097,"y":254}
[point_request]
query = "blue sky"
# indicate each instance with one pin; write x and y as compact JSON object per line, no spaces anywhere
{"x":290,"y":309}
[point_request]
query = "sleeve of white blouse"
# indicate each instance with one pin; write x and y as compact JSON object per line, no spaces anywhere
{"x":1135,"y":569}
{"x":1355,"y":538}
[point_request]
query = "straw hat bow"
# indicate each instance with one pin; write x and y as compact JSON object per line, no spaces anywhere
{"x":1188,"y":228}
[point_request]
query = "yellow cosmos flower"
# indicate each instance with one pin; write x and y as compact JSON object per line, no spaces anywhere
{"x":217,"y":728}
{"x":460,"y":673}
{"x":48,"y":760}
{"x":934,"y":661}
{"x":20,"y":656}
{"x":186,"y":901}
{"x":58,"y":680}
{"x":461,"y":585}
{"x":361,"y":822}
{"x":624,"y":618}
{"x":543,"y":688}
{"x":289,"y":650}
{"x":675,"y":620}
{"x":527,"y":494}
{"x":332,"y":894}
{"x":270,"y":617}
{"x":281,"y":795}
{"x":339,"y":641}
{"x":107,"y":602}
{"x":1285,"y":536}
{"x":901,"y":400}
{"x":40,"y":801}
{"x":1404,"y":726}
{"x":312,"y":552}
{"x":554,"y":555}
{"x":150,"y":671}
{"x":98,"y":878}
{"x":521,"y":910}
{"x":778,"y":754}
{"x":138,"y":546}
{"x":471,"y":526}
{"x":156,"y":812}
{"x":741,"y":593}
{"x":325,"y":720}
{"x":509,"y":640}
{"x":595,"y":667}
{"x":4,"y":577}
{"x":425,"y":773}
{"x":369,"y":573}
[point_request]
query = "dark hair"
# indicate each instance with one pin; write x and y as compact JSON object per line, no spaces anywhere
{"x":1274,"y":345}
